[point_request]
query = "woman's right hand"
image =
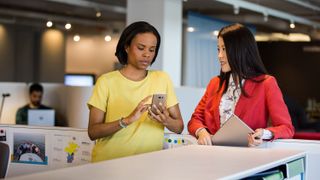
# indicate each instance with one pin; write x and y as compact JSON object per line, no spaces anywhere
{"x":204,"y":138}
{"x":97,"y":128}
{"x":138,"y":111}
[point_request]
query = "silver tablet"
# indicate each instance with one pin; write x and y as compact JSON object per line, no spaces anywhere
{"x":233,"y":133}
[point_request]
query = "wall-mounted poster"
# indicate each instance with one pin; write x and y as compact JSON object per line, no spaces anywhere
{"x":29,"y":148}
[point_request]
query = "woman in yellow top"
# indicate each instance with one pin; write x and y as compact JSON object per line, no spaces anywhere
{"x":120,"y":116}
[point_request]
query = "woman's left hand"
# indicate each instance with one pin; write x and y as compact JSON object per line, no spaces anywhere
{"x":161,"y":115}
{"x":255,"y":139}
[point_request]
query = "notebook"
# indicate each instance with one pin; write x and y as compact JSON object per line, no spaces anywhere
{"x":233,"y":133}
{"x":41,"y":117}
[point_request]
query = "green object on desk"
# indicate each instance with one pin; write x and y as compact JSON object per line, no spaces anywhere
{"x":277,"y":175}
{"x":295,"y":168}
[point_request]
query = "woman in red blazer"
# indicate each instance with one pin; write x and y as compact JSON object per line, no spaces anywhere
{"x":243,"y":88}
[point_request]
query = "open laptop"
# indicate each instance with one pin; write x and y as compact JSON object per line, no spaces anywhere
{"x":41,"y":117}
{"x":233,"y":133}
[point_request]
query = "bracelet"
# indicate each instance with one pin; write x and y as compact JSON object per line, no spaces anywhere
{"x":121,"y":123}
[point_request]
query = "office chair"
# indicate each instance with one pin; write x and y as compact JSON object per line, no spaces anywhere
{"x":4,"y":159}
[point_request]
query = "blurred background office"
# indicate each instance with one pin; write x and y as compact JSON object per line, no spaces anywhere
{"x":55,"y":41}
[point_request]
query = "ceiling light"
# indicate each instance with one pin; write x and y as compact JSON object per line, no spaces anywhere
{"x":262,"y":38}
{"x":294,"y":37}
{"x":76,"y":38}
{"x":216,"y":33}
{"x":299,"y":37}
{"x":68,"y":26}
{"x":292,"y":25}
{"x":190,"y":29}
{"x":49,"y":24}
{"x":107,"y":38}
{"x":265,"y":16}
{"x":98,"y":14}
{"x":236,"y":9}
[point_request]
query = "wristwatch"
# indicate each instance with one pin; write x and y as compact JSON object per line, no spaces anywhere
{"x":121,"y":123}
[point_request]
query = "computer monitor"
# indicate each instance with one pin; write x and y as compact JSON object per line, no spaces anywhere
{"x":41,"y":117}
{"x":79,"y":79}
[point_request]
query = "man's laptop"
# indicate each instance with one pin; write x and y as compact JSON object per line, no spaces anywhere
{"x":233,"y":133}
{"x":41,"y":117}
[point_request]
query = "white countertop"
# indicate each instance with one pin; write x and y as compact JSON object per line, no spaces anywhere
{"x":188,"y":162}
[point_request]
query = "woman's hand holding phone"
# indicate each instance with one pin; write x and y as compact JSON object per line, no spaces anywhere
{"x":157,"y":99}
{"x":158,"y":110}
{"x":138,"y":111}
{"x":159,"y":113}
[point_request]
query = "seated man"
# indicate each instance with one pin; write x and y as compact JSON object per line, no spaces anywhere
{"x":35,"y":94}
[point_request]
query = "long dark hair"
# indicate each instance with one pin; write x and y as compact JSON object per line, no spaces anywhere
{"x":242,"y":54}
{"x":129,"y":33}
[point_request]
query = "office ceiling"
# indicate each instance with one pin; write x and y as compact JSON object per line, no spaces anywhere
{"x":83,"y":12}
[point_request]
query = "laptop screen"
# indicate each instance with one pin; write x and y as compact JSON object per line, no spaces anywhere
{"x":79,"y":79}
{"x":41,"y":117}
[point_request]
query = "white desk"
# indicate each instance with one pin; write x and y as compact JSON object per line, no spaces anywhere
{"x":188,"y":162}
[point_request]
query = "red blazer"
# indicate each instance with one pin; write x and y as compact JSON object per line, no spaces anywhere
{"x":264,"y":102}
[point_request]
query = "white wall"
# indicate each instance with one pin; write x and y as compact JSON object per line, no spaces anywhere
{"x":188,"y":98}
{"x":18,"y":97}
{"x":78,"y":112}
